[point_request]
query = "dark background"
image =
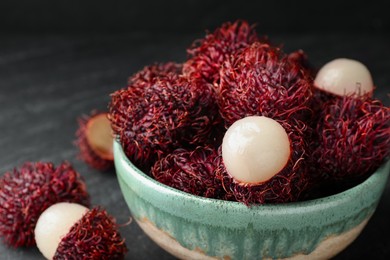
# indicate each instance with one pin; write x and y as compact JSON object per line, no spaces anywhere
{"x":191,"y":16}
{"x":62,"y":59}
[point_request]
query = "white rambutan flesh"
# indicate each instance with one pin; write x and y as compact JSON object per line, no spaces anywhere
{"x":254,"y":149}
{"x":344,"y":77}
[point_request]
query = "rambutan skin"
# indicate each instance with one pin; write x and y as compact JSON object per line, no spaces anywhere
{"x":26,"y":192}
{"x":320,"y":97}
{"x":149,"y":74}
{"x":261,"y":80}
{"x":301,"y":58}
{"x":207,"y":55}
{"x":286,"y":186}
{"x":353,"y":137}
{"x":86,"y":153}
{"x":191,"y":171}
{"x":94,"y":236}
{"x":174,"y":112}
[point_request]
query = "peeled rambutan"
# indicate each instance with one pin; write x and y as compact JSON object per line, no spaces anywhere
{"x":95,"y":141}
{"x":191,"y":171}
{"x":153,"y":121}
{"x":26,"y":192}
{"x":262,"y":80}
{"x":353,"y":137}
{"x":71,"y":231}
{"x":149,"y":74}
{"x":341,"y":77}
{"x":286,"y":185}
{"x":207,"y":55}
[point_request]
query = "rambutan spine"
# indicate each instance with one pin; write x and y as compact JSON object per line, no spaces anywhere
{"x":353,"y":137}
{"x":191,"y":171}
{"x":149,"y":74}
{"x":261,"y":80}
{"x":207,"y":55}
{"x":153,"y":121}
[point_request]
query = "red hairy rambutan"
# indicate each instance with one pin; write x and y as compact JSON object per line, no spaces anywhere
{"x":207,"y":55}
{"x":353,"y":137}
{"x":261,"y":80}
{"x":94,"y":236}
{"x":173,"y":112}
{"x":191,"y":171}
{"x":26,"y":192}
{"x":285,"y":186}
{"x":95,"y":140}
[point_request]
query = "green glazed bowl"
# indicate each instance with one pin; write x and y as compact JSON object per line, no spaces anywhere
{"x":193,"y":227}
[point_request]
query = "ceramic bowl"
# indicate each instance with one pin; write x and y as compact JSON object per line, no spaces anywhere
{"x":193,"y":227}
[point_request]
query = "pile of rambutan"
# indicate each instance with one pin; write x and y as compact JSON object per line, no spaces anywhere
{"x":27,"y":191}
{"x":37,"y":203}
{"x":239,"y":120}
{"x":175,"y":121}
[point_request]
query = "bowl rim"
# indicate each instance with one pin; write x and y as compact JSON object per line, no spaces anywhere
{"x":342,"y":197}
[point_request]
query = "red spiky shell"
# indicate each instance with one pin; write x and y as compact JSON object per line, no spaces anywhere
{"x":353,"y":137}
{"x":207,"y":55}
{"x":94,"y":236}
{"x":301,"y":58}
{"x":26,"y":192}
{"x":286,"y":186}
{"x":98,"y":157}
{"x":320,"y":97}
{"x":154,"y":120}
{"x":192,"y":171}
{"x":149,"y":74}
{"x":261,"y":80}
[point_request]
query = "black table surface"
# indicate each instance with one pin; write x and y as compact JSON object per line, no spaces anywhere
{"x":47,"y":81}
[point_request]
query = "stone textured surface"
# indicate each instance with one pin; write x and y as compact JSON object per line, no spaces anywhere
{"x":48,"y":80}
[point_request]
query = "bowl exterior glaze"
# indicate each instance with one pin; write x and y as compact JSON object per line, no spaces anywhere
{"x":192,"y":227}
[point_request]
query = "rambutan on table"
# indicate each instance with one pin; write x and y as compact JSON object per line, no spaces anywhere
{"x":48,"y":80}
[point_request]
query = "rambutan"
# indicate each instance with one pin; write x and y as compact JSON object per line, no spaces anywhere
{"x":26,"y":192}
{"x":153,"y":121}
{"x":95,"y":140}
{"x":345,"y":77}
{"x":207,"y":55}
{"x":341,"y":77}
{"x":353,"y":137}
{"x":192,"y":171}
{"x":289,"y":180}
{"x":71,"y":231}
{"x":262,"y":80}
